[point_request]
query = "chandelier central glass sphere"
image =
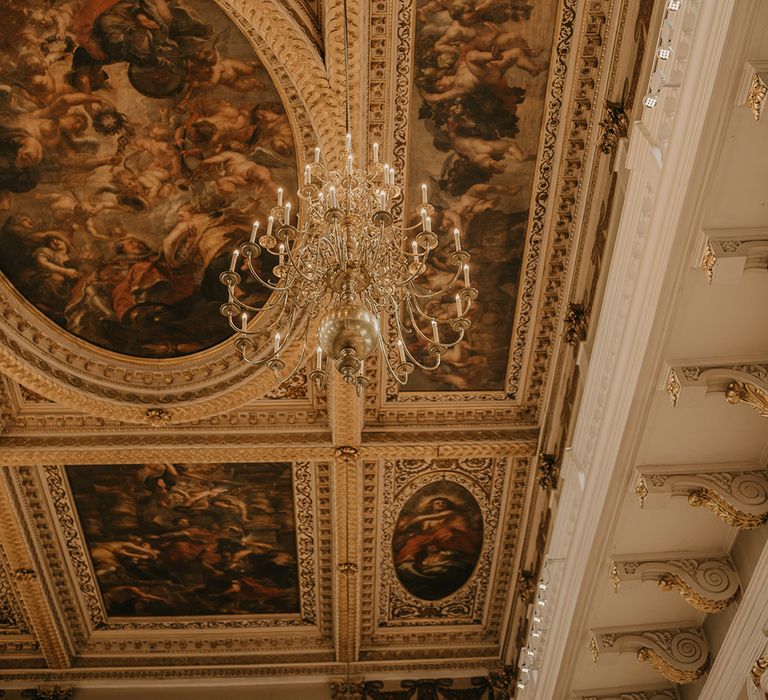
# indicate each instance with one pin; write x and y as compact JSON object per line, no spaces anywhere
{"x":347,"y":261}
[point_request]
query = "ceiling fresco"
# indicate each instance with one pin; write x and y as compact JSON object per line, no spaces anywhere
{"x":479,"y":83}
{"x":437,"y":541}
{"x":139,"y":139}
{"x":190,"y":539}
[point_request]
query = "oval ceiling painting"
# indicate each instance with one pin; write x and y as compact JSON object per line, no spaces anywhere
{"x":139,"y":139}
{"x":437,"y":540}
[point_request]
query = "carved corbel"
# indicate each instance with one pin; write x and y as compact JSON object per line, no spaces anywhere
{"x":728,"y":253}
{"x":629,"y":693}
{"x":758,"y":670}
{"x":548,"y":472}
{"x":575,"y":324}
{"x":501,"y":684}
{"x":739,"y":496}
{"x":754,"y":89}
{"x":709,"y":584}
{"x":613,"y":126}
{"x":347,"y":689}
{"x":680,"y":654}
{"x":745,"y":382}
{"x":526,"y":586}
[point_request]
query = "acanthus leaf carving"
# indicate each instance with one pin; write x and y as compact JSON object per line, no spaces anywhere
{"x":738,"y":496}
{"x":680,"y":654}
{"x":709,"y":584}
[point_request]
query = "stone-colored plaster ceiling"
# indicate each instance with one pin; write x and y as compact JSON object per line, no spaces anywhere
{"x":184,"y":515}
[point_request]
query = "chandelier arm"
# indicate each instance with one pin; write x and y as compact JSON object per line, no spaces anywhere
{"x":264,"y":283}
{"x":258,"y":309}
{"x":445,"y":322}
{"x":436,"y":293}
{"x":390,"y":368}
{"x":427,"y":368}
{"x":300,"y":361}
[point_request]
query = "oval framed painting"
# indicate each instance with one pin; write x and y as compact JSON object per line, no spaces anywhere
{"x":437,"y":540}
{"x":138,"y":143}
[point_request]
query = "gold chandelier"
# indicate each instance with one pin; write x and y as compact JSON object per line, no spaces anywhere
{"x":350,"y":262}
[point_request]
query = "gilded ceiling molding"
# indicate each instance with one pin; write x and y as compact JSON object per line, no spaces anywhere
{"x":709,"y":584}
{"x":28,"y":587}
{"x":346,"y":488}
{"x":629,"y":693}
{"x":737,"y":495}
{"x":729,"y":252}
{"x":739,"y":382}
{"x":7,"y":410}
{"x":55,"y":692}
{"x":680,"y":654}
{"x":204,"y":446}
{"x":346,"y":412}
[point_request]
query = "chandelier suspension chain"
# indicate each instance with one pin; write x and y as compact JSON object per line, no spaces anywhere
{"x":347,"y":109}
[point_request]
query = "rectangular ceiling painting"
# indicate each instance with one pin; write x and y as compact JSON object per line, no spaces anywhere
{"x":480,"y":81}
{"x":190,"y":539}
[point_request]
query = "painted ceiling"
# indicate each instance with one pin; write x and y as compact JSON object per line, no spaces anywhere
{"x":140,"y":140}
{"x":163,"y":506}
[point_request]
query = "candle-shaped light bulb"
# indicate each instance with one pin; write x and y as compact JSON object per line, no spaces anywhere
{"x":279,"y":196}
{"x":428,"y":223}
{"x":392,"y":175}
{"x":466,"y":275}
{"x":254,"y":231}
{"x":415,"y":247}
{"x":348,"y":142}
{"x":332,"y":194}
{"x":350,"y":161}
{"x":435,"y":334}
{"x":243,"y":321}
{"x":281,"y":251}
{"x":319,"y":358}
{"x":457,"y":239}
{"x":383,"y":200}
{"x":423,"y":214}
{"x":386,"y":174}
{"x":307,"y":175}
{"x":401,"y":351}
{"x":459,"y":311}
{"x":317,"y":154}
{"x":287,"y":218}
{"x":375,"y":152}
{"x":277,"y":343}
{"x":424,"y":194}
{"x":362,"y":367}
{"x":270,"y":223}
{"x":233,"y":263}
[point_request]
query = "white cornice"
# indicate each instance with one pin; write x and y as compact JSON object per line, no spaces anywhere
{"x":662,"y":155}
